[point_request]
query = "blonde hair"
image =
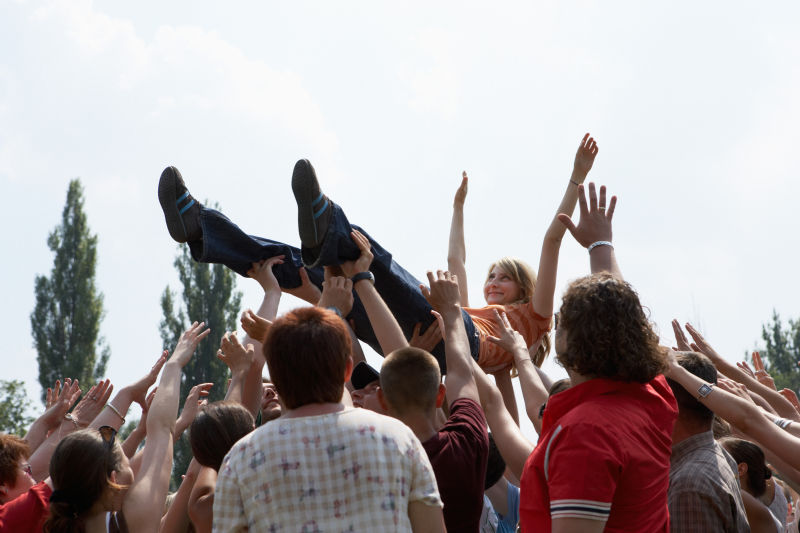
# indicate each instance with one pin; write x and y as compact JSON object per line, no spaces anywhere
{"x":524,"y":275}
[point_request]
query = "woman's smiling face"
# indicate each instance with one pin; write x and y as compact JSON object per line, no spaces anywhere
{"x":500,"y":288}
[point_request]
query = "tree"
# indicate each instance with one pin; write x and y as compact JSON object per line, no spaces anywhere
{"x":209,"y":296}
{"x":782,"y":351}
{"x":14,"y":403}
{"x":66,"y":320}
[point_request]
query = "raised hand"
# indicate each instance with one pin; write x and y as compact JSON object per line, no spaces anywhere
{"x":509,"y":338}
{"x":62,"y":399}
{"x":52,"y":394}
{"x":700,"y":344}
{"x":92,"y":403}
{"x":138,"y":389}
{"x":362,"y":264}
{"x":188,"y":343}
{"x":680,"y":337}
{"x":337,"y":291}
{"x":194,"y":400}
{"x":595,"y":218}
{"x":744,"y":367}
{"x":761,"y":374}
{"x":461,"y":192}
{"x":262,"y":273}
{"x":443,"y":294}
{"x":428,"y":340}
{"x":790,"y":395}
{"x":584,"y":158}
{"x":734,"y":388}
{"x":255,"y":326}
{"x":237,"y":357}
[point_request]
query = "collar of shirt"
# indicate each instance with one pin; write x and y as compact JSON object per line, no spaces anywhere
{"x":687,"y":446}
{"x":563,"y":402}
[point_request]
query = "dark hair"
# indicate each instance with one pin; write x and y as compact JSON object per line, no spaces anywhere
{"x":702,"y":367}
{"x":215,"y":430}
{"x":80,"y":470}
{"x":746,"y":452}
{"x":12,"y":450}
{"x":495,"y":465}
{"x":410,"y":379}
{"x":557,"y":386}
{"x":307,"y":351}
{"x":608,"y":335}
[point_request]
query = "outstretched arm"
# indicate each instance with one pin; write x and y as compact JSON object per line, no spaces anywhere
{"x":444,"y":297}
{"x":548,"y":259}
{"x":387,"y":330}
{"x":593,"y":231}
{"x":457,"y":249}
{"x":150,"y":488}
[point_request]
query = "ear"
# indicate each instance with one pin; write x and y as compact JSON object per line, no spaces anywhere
{"x":742,"y":469}
{"x":348,"y":369}
{"x":440,"y":395}
{"x":114,"y":476}
{"x":382,"y":399}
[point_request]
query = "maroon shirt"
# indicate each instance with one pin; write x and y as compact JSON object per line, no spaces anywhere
{"x":458,"y":454}
{"x":26,"y":512}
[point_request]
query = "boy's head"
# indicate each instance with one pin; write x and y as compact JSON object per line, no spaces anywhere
{"x":308,"y":356}
{"x":410,"y":382}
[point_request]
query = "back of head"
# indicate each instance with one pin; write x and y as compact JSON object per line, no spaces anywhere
{"x":13,"y":450}
{"x":410,"y":381}
{"x":607,"y":332}
{"x":216,"y":428}
{"x":524,"y":275}
{"x":746,"y":452}
{"x":689,"y":406}
{"x":307,"y":350}
{"x":80,"y":470}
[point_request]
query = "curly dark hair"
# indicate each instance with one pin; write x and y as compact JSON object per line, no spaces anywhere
{"x":607,"y":332}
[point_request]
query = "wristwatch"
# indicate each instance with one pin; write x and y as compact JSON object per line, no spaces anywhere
{"x":363,"y":275}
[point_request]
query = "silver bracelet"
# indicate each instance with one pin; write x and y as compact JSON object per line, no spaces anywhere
{"x":599,"y":243}
{"x":117,"y":412}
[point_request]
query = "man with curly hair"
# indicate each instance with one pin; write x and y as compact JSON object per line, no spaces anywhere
{"x":602,"y":460}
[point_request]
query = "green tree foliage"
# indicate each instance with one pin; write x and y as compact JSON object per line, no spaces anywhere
{"x":14,"y":403}
{"x":66,"y":320}
{"x":782,"y":351}
{"x":209,"y":296}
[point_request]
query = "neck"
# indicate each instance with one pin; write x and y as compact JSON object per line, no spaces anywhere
{"x":313,"y":409}
{"x":577,"y":379}
{"x":422,"y":424}
{"x":96,"y":523}
{"x":684,"y":429}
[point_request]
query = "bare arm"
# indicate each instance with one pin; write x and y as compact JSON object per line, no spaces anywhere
{"x":425,"y":518}
{"x":387,"y":330}
{"x":62,"y":400}
{"x":136,"y":436}
{"x":782,"y":406}
{"x":457,"y":249}
{"x":177,"y":518}
{"x":548,"y":259}
{"x":443,"y":296}
{"x":201,"y":501}
{"x":513,"y":445}
{"x":150,"y":488}
{"x":594,"y":227}
{"x":502,"y":379}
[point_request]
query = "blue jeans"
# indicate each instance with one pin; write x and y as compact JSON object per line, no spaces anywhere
{"x":224,"y":242}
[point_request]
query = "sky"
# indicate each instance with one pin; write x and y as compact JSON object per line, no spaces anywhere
{"x":693,"y":105}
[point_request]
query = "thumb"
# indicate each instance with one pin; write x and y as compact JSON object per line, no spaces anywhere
{"x":564,"y":219}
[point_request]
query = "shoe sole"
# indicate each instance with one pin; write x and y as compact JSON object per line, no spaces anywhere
{"x":306,"y":191}
{"x":167,"y":197}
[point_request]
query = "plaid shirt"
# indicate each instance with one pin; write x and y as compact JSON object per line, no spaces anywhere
{"x":704,"y":493}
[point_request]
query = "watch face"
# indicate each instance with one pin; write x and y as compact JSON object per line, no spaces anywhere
{"x":705,"y":390}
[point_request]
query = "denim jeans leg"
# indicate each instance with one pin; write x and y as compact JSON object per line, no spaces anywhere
{"x":224,"y":242}
{"x":398,"y":288}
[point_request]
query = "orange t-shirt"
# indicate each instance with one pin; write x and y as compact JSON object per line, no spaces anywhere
{"x":522,"y":318}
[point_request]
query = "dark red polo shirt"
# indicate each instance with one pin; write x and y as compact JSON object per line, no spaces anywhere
{"x":604,"y":455}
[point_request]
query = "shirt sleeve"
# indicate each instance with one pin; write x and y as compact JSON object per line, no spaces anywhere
{"x":582,"y":467}
{"x":423,"y":480}
{"x":229,"y":515}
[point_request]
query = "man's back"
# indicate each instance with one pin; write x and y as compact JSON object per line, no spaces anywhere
{"x":704,"y":493}
{"x":352,"y":470}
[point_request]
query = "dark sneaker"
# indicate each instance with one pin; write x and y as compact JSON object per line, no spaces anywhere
{"x":313,"y":208}
{"x":181,"y":211}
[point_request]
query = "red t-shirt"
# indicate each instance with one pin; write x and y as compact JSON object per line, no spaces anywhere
{"x":26,"y":512}
{"x":603,"y":454}
{"x":458,"y":454}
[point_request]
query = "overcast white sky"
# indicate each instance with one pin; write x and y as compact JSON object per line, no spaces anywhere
{"x":694,"y":106}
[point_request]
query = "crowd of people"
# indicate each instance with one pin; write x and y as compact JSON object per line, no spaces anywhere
{"x":640,"y":437}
